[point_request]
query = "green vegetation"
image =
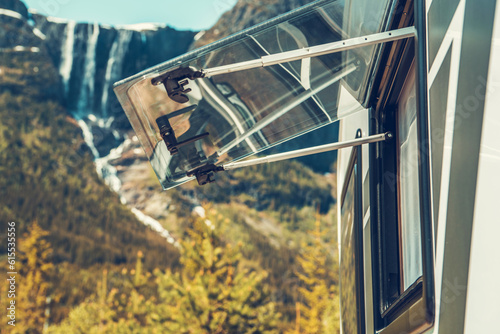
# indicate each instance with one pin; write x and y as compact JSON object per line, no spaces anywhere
{"x":33,"y":289}
{"x":288,"y":189}
{"x":272,"y":236}
{"x":212,"y":292}
{"x":320,"y":307}
{"x":216,"y":289}
{"x":48,"y":176}
{"x":276,"y":186}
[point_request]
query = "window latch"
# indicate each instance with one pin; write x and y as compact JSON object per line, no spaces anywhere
{"x":175,"y":82}
{"x":167,"y":132}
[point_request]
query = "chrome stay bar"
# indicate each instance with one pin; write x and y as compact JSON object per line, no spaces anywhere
{"x":308,"y":151}
{"x":313,"y":51}
{"x":205,"y":174}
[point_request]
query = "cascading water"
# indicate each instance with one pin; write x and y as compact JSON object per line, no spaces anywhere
{"x":83,"y":113}
{"x":89,"y":139}
{"x":115,"y":64}
{"x":67,"y":55}
{"x":87,"y":91}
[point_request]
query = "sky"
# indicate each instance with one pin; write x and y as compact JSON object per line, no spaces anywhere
{"x":180,"y":14}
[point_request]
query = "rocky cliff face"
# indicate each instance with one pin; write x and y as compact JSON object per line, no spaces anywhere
{"x":91,"y":57}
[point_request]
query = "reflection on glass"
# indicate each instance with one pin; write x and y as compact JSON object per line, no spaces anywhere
{"x":411,"y":251}
{"x":348,"y":306}
{"x":249,"y":111}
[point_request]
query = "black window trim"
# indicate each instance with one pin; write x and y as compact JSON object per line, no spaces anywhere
{"x":414,"y":309}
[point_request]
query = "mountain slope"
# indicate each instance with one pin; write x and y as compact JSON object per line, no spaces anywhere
{"x":47,"y":173}
{"x":245,"y":14}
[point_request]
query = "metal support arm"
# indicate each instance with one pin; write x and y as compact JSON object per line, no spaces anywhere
{"x":205,"y":174}
{"x":175,"y":80}
{"x":313,"y":51}
{"x":309,"y":151}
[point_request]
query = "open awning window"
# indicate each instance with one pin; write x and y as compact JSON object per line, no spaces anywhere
{"x":222,"y":118}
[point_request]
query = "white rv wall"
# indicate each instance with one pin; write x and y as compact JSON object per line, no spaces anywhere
{"x":483,"y":294}
{"x":453,"y":39}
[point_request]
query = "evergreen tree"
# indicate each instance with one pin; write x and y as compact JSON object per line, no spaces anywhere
{"x":34,"y":281}
{"x":213,"y":293}
{"x":319,"y":312}
{"x":122,"y":309}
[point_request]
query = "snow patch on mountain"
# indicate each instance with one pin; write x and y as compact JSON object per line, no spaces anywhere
{"x":11,"y":13}
{"x":154,"y":224}
{"x":142,"y":26}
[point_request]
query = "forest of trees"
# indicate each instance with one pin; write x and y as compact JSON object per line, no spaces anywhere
{"x":213,"y":291}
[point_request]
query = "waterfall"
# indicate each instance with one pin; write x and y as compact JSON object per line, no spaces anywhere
{"x":80,"y":71}
{"x":88,"y":137}
{"x":87,"y":89}
{"x":67,"y":55}
{"x":108,"y":172}
{"x":83,"y":113}
{"x":115,"y":64}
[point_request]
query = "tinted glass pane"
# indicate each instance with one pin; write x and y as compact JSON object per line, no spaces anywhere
{"x":246,"y":112}
{"x":409,"y":190}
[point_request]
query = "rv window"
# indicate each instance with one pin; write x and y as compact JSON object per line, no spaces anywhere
{"x":399,"y":278}
{"x":218,"y":119}
{"x":400,"y":224}
{"x":400,"y":239}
